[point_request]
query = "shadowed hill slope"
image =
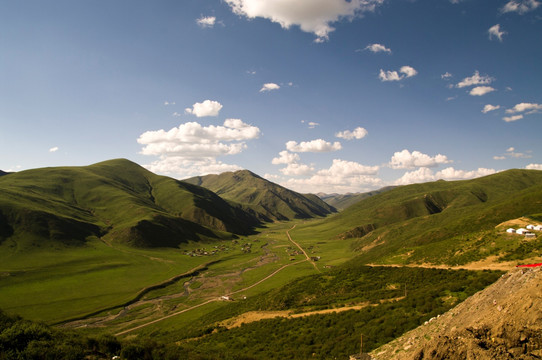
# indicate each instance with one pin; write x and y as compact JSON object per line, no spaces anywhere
{"x":266,"y":199}
{"x":117,"y":200}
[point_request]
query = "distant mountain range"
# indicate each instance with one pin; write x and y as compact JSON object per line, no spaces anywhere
{"x":342,"y":201}
{"x":120,"y":201}
{"x":267,"y":200}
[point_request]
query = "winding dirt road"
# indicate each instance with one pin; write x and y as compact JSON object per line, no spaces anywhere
{"x":307,"y":258}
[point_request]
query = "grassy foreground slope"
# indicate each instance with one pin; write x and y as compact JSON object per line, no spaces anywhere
{"x":268,"y":200}
{"x":117,"y":200}
{"x":438,"y":222}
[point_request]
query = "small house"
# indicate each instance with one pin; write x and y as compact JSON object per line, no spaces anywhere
{"x":538,"y":228}
{"x":511,"y":231}
{"x":530,"y":227}
{"x":530,"y":235}
{"x":521,"y":231}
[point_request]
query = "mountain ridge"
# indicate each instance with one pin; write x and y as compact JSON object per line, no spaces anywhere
{"x":270,"y":201}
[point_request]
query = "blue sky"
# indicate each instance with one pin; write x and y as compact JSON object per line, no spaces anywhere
{"x":316,"y":95}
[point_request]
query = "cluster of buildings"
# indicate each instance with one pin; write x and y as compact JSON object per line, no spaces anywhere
{"x":526,"y":231}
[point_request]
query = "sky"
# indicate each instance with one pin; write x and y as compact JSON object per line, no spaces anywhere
{"x":328,"y":96}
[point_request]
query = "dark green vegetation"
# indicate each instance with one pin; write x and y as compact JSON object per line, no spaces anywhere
{"x":343,"y":201}
{"x":2,"y":173}
{"x":386,"y":315}
{"x":267,"y":200}
{"x":116,"y":200}
{"x":440,"y":222}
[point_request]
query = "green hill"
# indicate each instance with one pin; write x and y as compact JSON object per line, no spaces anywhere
{"x":265,"y":199}
{"x":441,"y":222}
{"x":342,"y":201}
{"x":116,"y":200}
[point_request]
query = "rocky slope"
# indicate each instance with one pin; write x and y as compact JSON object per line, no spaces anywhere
{"x":504,"y":321}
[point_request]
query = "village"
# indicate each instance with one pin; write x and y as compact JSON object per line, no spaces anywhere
{"x":527,"y":231}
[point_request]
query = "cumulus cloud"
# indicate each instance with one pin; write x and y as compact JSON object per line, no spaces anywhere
{"x":534,"y":167}
{"x":512,"y":118}
{"x":53,"y":149}
{"x":317,"y":145}
{"x":424,"y":175}
{"x":475,"y":79}
{"x":285,"y":157}
{"x":406,"y":71}
{"x":530,"y":108}
{"x":376,"y":48}
{"x":481,"y":90}
{"x":495,"y":32}
{"x":342,"y":176}
{"x":206,"y":21}
{"x":446,"y":76}
{"x":184,"y":168}
{"x":269,"y":87}
{"x":357,"y":133}
{"x":205,"y":108}
{"x":312,"y":16}
{"x":407,"y":160}
{"x":191,"y":149}
{"x":296,"y":169}
{"x":192,"y":140}
{"x":520,"y":7}
{"x":488,"y":107}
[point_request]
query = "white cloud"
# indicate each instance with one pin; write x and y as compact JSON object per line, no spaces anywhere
{"x":499,"y":157}
{"x":475,"y":79}
{"x":407,"y":72}
{"x":269,"y":87}
{"x":453,"y":174}
{"x":407,"y":160}
{"x":312,"y":16}
{"x":206,"y":21}
{"x":166,"y":103}
{"x":344,"y":168}
{"x":446,"y":76}
{"x":205,"y":108}
{"x":357,"y":133}
{"x":512,"y":153}
{"x":512,"y":118}
{"x":520,"y":7}
{"x":495,"y":31}
{"x":424,"y":175}
{"x":183,"y":168}
{"x":534,"y":167}
{"x":191,"y":149}
{"x":53,"y":149}
{"x":530,"y":107}
{"x":376,"y":48}
{"x":295,"y":169}
{"x":285,"y":157}
{"x":389,"y":75}
{"x":342,"y":176}
{"x":481,"y":90}
{"x":317,"y":145}
{"x":489,"y":107}
{"x":313,"y":124}
{"x":192,"y":140}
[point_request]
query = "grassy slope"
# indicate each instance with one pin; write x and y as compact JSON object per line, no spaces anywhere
{"x":116,"y":199}
{"x":432,"y":221}
{"x":271,"y":201}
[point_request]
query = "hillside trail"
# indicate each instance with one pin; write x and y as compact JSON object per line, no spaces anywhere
{"x":302,"y":250}
{"x":164,"y":317}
